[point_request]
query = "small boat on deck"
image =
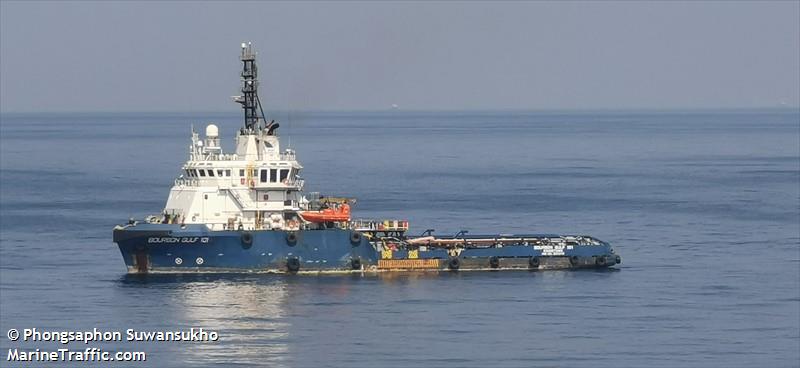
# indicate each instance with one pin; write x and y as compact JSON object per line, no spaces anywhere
{"x":338,"y":213}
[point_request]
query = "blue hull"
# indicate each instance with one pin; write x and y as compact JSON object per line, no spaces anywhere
{"x":192,"y":248}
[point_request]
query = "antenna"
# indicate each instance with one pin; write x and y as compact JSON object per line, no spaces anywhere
{"x":289,"y":127}
{"x":249,"y":99}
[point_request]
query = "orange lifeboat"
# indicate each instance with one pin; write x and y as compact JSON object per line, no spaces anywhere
{"x":340,"y":213}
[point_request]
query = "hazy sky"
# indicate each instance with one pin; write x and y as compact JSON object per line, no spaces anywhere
{"x":182,"y":56}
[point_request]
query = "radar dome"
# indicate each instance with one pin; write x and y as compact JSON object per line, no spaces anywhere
{"x":212,"y":131}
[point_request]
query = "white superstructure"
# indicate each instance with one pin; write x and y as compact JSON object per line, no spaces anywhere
{"x":256,"y":187}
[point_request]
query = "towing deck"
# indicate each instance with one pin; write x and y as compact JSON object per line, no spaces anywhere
{"x":481,"y":252}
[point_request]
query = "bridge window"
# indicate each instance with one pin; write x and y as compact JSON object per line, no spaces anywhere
{"x":219,"y":172}
{"x":263,"y":175}
{"x":284,"y":175}
{"x":273,"y":175}
{"x":210,"y":172}
{"x":241,"y":172}
{"x":202,"y":172}
{"x":228,"y":172}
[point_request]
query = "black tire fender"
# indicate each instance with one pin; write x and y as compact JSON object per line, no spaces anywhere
{"x":293,"y":264}
{"x":454,"y":263}
{"x":574,"y":260}
{"x":494,"y":262}
{"x":355,"y":263}
{"x":355,"y":238}
{"x":534,"y":262}
{"x":247,"y":240}
{"x":291,"y":238}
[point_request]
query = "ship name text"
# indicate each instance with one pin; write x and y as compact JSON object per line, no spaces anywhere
{"x":177,"y":240}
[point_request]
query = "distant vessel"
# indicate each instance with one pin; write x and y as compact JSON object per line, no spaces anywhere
{"x":246,"y":212}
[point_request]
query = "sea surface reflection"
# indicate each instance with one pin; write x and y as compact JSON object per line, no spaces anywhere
{"x":249,"y":314}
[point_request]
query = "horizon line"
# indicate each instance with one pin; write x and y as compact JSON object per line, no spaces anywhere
{"x":400,"y":110}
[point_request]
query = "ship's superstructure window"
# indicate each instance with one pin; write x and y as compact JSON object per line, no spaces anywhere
{"x":202,"y":172}
{"x":284,"y":174}
{"x":241,"y":172}
{"x":219,"y":172}
{"x":273,"y":175}
{"x":210,"y":172}
{"x":264,"y":175}
{"x":228,"y":173}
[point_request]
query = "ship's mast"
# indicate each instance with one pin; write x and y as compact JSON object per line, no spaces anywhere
{"x":249,"y":99}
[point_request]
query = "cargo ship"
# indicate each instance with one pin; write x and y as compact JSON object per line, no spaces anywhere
{"x":246,"y":211}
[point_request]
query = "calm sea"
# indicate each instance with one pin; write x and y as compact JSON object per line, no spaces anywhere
{"x":703,"y":206}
